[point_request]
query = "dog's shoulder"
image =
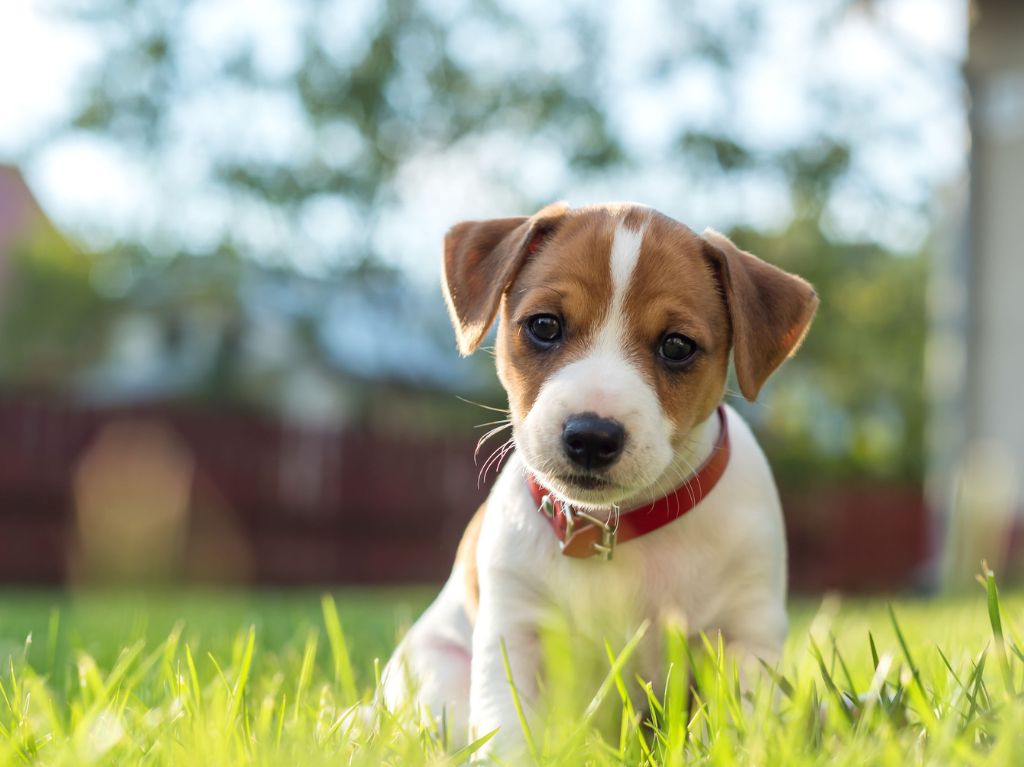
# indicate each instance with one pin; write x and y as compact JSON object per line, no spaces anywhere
{"x":465,"y":558}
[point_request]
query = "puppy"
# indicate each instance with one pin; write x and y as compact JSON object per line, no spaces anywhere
{"x":632,"y":492}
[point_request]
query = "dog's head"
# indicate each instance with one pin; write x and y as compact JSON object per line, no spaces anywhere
{"x":614,"y":338}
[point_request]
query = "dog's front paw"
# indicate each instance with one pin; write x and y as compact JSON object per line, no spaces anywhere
{"x":505,"y":746}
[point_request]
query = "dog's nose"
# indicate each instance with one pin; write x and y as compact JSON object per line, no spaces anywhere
{"x":592,"y":442}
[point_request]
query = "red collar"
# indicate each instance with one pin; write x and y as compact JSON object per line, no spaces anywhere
{"x":583,"y":534}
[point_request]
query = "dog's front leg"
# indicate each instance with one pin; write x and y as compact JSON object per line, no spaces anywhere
{"x":508,"y":616}
{"x":755,"y":633}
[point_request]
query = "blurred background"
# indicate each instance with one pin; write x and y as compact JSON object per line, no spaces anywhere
{"x":224,"y":357}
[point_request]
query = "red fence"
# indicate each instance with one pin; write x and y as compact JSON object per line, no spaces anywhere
{"x":276,"y":503}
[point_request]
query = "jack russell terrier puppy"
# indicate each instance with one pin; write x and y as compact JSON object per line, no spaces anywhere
{"x":633,"y":492}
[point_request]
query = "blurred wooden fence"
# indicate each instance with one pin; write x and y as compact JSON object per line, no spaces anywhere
{"x":293,"y":504}
{"x":313,"y":505}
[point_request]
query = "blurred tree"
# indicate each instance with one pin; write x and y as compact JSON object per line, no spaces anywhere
{"x":52,"y":320}
{"x":363,"y":91}
{"x":850,"y":404}
{"x":411,"y":78}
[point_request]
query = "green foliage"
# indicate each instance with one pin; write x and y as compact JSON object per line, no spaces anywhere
{"x":51,"y":317}
{"x":419,"y":80}
{"x":850,"y":404}
{"x":401,"y":89}
{"x":273,"y":679}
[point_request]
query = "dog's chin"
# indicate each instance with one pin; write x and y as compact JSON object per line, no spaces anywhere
{"x":585,"y":489}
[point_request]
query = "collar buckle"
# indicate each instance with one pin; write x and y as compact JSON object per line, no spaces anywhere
{"x":609,"y":533}
{"x":606,"y":547}
{"x":547,"y":507}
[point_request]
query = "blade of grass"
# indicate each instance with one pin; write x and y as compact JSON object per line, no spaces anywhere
{"x":468,"y":750}
{"x":531,"y":744}
{"x":629,"y":711}
{"x":906,"y":650}
{"x":830,"y":684}
{"x":197,"y":691}
{"x":995,"y":619}
{"x":238,"y":690}
{"x":780,"y":681}
{"x":305,"y":671}
{"x":609,"y":681}
{"x":343,"y":673}
{"x":852,"y":688}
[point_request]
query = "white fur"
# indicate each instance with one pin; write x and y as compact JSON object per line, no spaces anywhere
{"x":624,"y":256}
{"x":721,"y":567}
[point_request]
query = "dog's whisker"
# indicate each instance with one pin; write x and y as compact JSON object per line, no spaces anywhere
{"x":678,"y":473}
{"x":682,"y":479}
{"x":489,"y":457}
{"x":504,"y":410}
{"x":480,"y":442}
{"x":483,"y":469}
{"x":687,"y":472}
{"x":496,"y":465}
{"x":492,"y":423}
{"x":693,"y":473}
{"x":496,"y":455}
{"x":491,"y":432}
{"x":508,"y":449}
{"x":650,"y":492}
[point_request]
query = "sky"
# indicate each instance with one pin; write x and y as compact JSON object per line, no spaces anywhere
{"x":101,"y":193}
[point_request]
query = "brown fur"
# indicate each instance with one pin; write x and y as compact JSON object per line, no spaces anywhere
{"x":481,"y":258}
{"x":466,"y":557}
{"x":771,"y":311}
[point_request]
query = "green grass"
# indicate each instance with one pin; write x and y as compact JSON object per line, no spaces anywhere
{"x":235,"y":678}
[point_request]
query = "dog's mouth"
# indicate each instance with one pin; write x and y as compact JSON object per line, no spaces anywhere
{"x":586,"y":481}
{"x":587,"y":489}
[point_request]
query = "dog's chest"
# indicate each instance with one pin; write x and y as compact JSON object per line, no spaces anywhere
{"x":662,"y":576}
{"x":671,"y":574}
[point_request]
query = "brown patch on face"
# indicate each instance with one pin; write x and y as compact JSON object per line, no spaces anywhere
{"x":636,"y":218}
{"x":570,"y":277}
{"x":674,"y":290}
{"x":481,"y":259}
{"x":771,"y":311}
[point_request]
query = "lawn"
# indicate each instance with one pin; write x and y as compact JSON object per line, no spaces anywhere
{"x":228,"y":678}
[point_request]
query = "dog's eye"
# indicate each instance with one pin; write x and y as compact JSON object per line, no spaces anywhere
{"x":545,"y":329}
{"x":677,"y":349}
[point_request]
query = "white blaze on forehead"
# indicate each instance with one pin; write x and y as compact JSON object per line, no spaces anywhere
{"x":624,"y":256}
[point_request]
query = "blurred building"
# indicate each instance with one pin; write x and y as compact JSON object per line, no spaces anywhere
{"x":976,"y":356}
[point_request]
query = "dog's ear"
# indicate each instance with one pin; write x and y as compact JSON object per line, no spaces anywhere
{"x":770,"y":311}
{"x":481,"y":260}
